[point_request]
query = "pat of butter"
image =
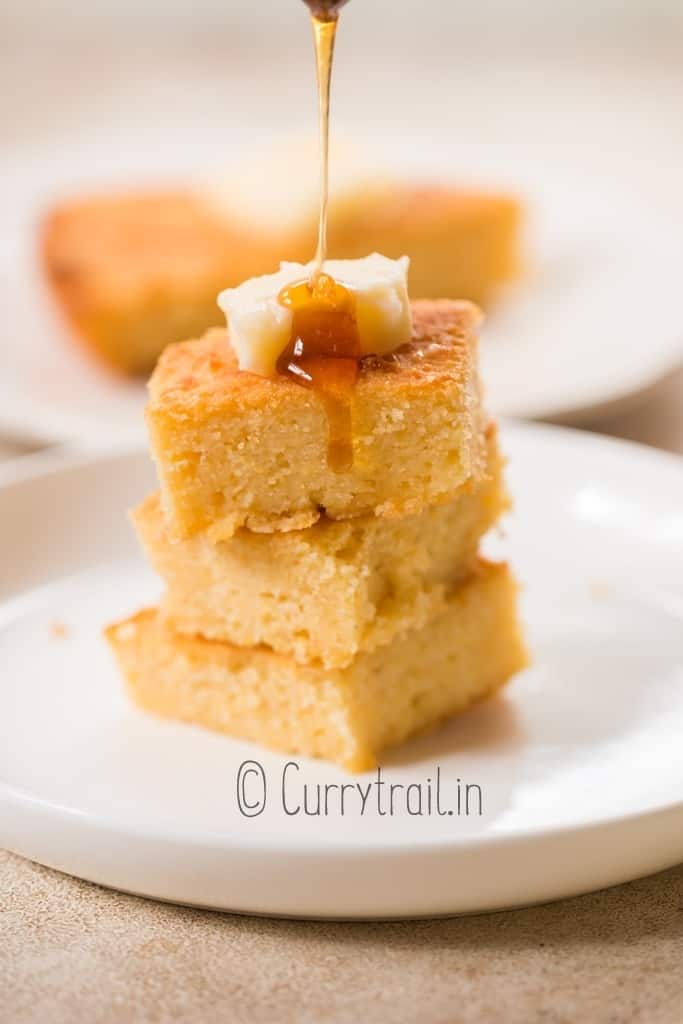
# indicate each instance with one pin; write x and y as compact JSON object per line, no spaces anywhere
{"x":260,"y":326}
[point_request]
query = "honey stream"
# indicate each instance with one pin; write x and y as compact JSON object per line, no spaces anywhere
{"x":324,"y":348}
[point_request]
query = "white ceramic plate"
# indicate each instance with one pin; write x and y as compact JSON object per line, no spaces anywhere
{"x":580,"y":764}
{"x":595,"y":320}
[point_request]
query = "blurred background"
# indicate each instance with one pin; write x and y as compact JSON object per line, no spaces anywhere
{"x":566,"y":73}
{"x":128,"y":91}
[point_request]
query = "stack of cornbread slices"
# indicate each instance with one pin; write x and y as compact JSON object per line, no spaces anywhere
{"x":316,"y":612}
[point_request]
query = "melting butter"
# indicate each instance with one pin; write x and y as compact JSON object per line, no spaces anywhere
{"x":260,"y":324}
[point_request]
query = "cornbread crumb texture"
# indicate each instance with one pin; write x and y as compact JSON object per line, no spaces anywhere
{"x":329,"y":591}
{"x":235,"y":449}
{"x":346,"y":715}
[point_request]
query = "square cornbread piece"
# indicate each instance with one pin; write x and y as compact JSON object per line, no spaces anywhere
{"x":460,"y":242}
{"x":135,"y":271}
{"x":327,"y":592}
{"x":236,"y":449}
{"x":132,"y":273}
{"x":347,"y":715}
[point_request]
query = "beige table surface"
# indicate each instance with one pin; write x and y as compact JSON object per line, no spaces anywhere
{"x":70,"y":951}
{"x":73,"y":952}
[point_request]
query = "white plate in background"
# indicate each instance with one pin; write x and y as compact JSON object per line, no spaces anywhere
{"x":595,"y":321}
{"x":580,"y":762}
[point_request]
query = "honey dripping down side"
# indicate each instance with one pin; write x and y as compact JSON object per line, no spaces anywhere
{"x":324,"y":354}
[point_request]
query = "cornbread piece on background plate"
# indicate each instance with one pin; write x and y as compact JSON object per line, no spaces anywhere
{"x":347,"y":715}
{"x":233,"y":448}
{"x":133,"y":273}
{"x":327,"y":592}
{"x":461,"y":244}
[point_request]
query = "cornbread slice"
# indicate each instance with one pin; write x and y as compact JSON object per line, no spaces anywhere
{"x":233,"y":448}
{"x":327,"y":592}
{"x":134,"y":272}
{"x":347,"y":715}
{"x":461,"y":244}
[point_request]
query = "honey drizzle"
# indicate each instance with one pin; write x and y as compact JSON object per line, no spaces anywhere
{"x":324,"y":354}
{"x":324,"y":34}
{"x":324,"y":350}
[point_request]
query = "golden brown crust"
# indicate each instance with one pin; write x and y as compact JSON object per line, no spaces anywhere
{"x":96,"y":249}
{"x":441,"y":348}
{"x":424,"y":207}
{"x":132,"y":273}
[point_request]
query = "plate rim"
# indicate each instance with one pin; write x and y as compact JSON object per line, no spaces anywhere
{"x":11,"y":795}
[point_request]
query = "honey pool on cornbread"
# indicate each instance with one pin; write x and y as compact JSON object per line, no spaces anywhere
{"x":324,"y":353}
